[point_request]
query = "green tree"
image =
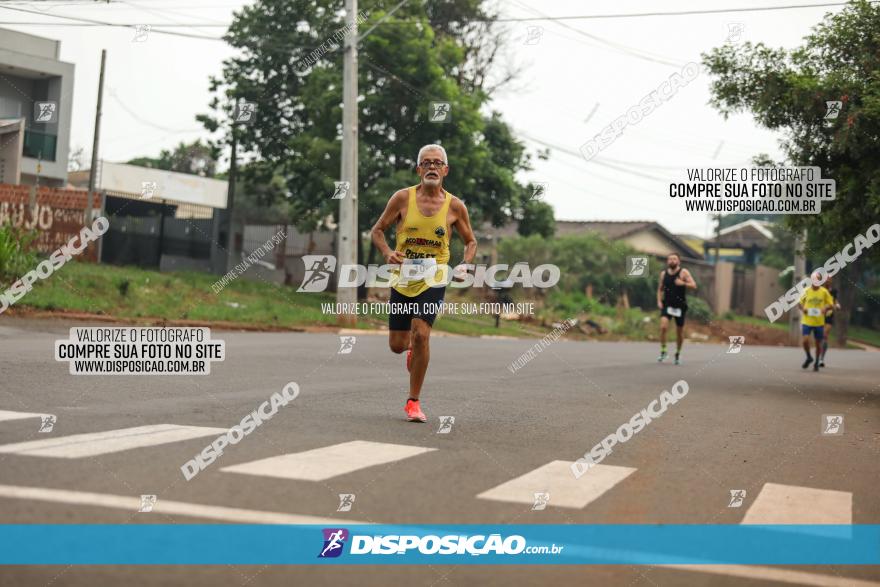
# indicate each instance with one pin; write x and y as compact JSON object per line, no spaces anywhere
{"x":537,"y":218}
{"x":424,"y":52}
{"x":195,"y":158}
{"x":787,"y":91}
{"x":584,"y":260}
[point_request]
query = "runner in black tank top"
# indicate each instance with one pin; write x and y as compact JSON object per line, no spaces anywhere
{"x":672,"y":301}
{"x":674,"y":295}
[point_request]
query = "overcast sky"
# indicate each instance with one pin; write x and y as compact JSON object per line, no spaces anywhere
{"x":579,"y":76}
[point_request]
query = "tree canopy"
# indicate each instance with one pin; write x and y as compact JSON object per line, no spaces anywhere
{"x":788,"y":90}
{"x":436,"y":51}
{"x":195,"y":158}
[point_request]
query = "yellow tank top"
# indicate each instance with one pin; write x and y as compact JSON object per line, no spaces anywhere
{"x":421,"y":237}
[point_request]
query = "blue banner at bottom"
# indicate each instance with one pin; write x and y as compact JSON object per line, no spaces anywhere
{"x":524,"y":544}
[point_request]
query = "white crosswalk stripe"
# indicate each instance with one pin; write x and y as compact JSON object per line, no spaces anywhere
{"x":9,"y":415}
{"x":110,"y":441}
{"x":130,"y":503}
{"x":330,"y":461}
{"x":556,"y":479}
{"x":791,"y":504}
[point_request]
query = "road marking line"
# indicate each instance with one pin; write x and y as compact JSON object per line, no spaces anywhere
{"x":100,"y":443}
{"x":7,"y":415}
{"x":330,"y":461}
{"x":556,"y":479}
{"x":163,"y":506}
{"x":791,"y":504}
{"x":775,"y":574}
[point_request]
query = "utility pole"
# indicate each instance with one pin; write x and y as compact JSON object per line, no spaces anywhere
{"x":348,"y":212}
{"x":800,"y":268}
{"x":94,"y":168}
{"x":717,"y":238}
{"x":230,"y":225}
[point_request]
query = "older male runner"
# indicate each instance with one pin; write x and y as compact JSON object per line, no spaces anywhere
{"x":424,"y":215}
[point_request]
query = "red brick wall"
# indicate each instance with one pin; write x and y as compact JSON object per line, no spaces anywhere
{"x":59,"y":214}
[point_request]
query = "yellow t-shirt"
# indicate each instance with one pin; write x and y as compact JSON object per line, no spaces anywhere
{"x":423,"y":240}
{"x":814,"y":302}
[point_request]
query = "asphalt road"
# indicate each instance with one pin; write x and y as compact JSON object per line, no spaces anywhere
{"x":750,"y":419}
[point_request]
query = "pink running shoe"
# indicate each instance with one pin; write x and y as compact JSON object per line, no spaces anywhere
{"x":414,"y":412}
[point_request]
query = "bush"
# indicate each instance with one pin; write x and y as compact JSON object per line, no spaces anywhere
{"x":17,"y":256}
{"x":574,"y":303}
{"x":699,"y":310}
{"x":583,"y":259}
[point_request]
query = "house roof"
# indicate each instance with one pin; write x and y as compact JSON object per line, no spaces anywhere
{"x":610,"y":229}
{"x":746,"y":234}
{"x":761,"y":226}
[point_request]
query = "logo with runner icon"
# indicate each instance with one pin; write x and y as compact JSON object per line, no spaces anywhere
{"x":334,"y":541}
{"x":318,"y":269}
{"x":832,"y":424}
{"x":47,"y":423}
{"x":736,"y":344}
{"x":346,"y":500}
{"x":737,"y":496}
{"x":636,"y":266}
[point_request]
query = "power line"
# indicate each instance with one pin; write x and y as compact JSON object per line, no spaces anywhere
{"x":616,"y":166}
{"x":629,"y":51}
{"x":151,"y":11}
{"x":144,"y":121}
{"x":677,"y":12}
{"x":84,"y":24}
{"x":3,"y":4}
{"x":109,"y":24}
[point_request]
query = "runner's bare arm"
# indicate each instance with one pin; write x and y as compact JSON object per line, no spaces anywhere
{"x":463,"y":226}
{"x":660,"y":290}
{"x":390,"y":216}
{"x":686,"y":280}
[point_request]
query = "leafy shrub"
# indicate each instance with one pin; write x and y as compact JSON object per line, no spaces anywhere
{"x":17,"y":255}
{"x":574,"y":303}
{"x":699,"y":310}
{"x":583,"y":259}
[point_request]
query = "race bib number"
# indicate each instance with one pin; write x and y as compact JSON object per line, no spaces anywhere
{"x":814,"y":311}
{"x":416,"y":269}
{"x":674,"y":311}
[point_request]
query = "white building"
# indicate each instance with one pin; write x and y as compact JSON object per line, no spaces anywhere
{"x":36,"y":105}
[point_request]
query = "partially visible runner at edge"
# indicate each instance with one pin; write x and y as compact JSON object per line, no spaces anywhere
{"x":829,"y":319}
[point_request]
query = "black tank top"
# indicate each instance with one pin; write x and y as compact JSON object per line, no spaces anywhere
{"x":673,"y":295}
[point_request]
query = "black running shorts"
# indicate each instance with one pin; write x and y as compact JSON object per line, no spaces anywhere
{"x":424,"y":306}
{"x":679,"y":320}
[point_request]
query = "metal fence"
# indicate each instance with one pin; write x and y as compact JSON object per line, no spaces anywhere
{"x":158,"y":234}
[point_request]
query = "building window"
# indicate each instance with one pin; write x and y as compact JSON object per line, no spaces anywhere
{"x":39,"y":145}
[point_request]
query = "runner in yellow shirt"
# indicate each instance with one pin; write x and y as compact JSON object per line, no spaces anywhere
{"x":425,"y":215}
{"x":814,"y":304}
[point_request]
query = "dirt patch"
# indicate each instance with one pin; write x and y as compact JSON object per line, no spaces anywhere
{"x":721,"y":330}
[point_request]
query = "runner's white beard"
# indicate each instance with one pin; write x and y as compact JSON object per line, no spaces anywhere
{"x":432,"y":182}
